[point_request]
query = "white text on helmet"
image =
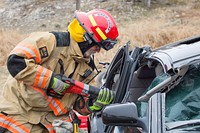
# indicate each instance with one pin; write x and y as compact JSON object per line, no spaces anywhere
{"x":108,"y":20}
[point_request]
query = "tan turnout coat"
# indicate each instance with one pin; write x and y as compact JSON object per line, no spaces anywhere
{"x":24,"y":96}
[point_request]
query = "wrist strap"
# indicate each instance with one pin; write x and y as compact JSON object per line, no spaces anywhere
{"x":88,"y":104}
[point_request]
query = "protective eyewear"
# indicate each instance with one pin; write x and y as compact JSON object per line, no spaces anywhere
{"x":108,"y":44}
{"x":105,"y":44}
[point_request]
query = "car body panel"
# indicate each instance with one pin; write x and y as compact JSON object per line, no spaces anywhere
{"x":173,"y":57}
{"x":145,"y":77}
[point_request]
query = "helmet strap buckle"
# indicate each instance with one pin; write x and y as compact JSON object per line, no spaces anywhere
{"x":87,"y":37}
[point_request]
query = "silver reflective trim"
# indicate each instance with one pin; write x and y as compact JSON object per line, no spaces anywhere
{"x":27,"y":49}
{"x":42,"y":77}
{"x":56,"y":106}
{"x":12,"y":125}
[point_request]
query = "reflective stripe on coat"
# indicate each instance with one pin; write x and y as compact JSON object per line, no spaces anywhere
{"x":25,"y":93}
{"x":12,"y":125}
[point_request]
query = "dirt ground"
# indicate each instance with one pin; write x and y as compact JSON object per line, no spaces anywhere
{"x":46,"y":15}
{"x":27,"y":16}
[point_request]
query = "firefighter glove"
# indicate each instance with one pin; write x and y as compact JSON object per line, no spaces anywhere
{"x":104,"y":98}
{"x":58,"y":85}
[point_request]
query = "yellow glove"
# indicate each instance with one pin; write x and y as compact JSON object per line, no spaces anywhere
{"x":104,"y":98}
{"x":57,"y":84}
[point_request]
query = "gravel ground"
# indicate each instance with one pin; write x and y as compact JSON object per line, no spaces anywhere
{"x":45,"y":15}
{"x":53,"y":15}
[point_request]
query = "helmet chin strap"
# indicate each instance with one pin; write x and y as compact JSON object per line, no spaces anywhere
{"x":87,"y":44}
{"x":84,"y":46}
{"x":92,"y":64}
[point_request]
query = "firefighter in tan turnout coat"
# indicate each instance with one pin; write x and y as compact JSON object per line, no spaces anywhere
{"x":36,"y":65}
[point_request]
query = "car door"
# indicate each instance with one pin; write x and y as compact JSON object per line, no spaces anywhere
{"x":117,"y":78}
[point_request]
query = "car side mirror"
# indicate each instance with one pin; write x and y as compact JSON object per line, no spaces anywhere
{"x":120,"y":115}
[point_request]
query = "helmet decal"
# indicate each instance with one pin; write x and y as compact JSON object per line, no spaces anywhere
{"x":108,"y":20}
{"x":98,"y":30}
{"x":99,"y":26}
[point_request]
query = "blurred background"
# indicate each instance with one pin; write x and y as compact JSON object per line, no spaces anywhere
{"x":143,"y":22}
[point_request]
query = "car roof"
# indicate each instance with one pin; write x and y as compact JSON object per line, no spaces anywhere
{"x":178,"y":54}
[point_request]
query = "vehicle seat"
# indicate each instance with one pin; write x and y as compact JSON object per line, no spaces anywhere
{"x":140,"y":81}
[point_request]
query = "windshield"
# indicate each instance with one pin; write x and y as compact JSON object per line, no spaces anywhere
{"x":182,"y":102}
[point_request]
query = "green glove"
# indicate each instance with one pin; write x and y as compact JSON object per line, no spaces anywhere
{"x":59,"y":86}
{"x":104,"y":98}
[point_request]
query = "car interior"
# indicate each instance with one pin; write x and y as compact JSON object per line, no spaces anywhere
{"x":142,"y":79}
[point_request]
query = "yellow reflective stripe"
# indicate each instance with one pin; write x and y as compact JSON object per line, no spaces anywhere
{"x":91,"y":18}
{"x":99,"y":31}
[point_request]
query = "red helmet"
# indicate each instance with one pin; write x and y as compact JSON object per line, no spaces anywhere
{"x":100,"y":27}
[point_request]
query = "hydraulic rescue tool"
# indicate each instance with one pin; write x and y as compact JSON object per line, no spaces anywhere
{"x":76,"y":87}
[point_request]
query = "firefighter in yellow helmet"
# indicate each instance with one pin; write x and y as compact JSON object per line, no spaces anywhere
{"x":37,"y":65}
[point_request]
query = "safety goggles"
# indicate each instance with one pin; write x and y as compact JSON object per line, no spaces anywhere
{"x":108,"y":44}
{"x":105,"y":44}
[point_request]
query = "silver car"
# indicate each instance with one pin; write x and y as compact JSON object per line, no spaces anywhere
{"x":157,"y":91}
